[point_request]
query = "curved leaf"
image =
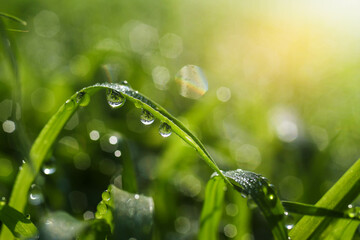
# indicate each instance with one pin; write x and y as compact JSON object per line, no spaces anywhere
{"x":264,"y":195}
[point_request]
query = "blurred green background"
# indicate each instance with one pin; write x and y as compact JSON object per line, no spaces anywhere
{"x":283,"y":101}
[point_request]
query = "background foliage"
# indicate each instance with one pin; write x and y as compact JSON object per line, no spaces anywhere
{"x":282,"y":101}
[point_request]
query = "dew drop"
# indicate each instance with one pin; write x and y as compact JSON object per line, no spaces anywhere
{"x":98,"y":215}
{"x":351,"y":212}
{"x":243,"y":195}
{"x":114,"y":98}
{"x":146,"y":117}
{"x":138,"y":104}
{"x":49,"y":166}
{"x":102,"y":208}
{"x":289,"y":221}
{"x":164,"y":130}
{"x":83,"y":99}
{"x":105,"y":196}
{"x":69,"y":104}
{"x":28,"y":216}
{"x":125,"y":83}
{"x":35,"y":195}
{"x":137,"y":196}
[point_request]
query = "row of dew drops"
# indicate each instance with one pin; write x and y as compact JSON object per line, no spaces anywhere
{"x":116,"y":100}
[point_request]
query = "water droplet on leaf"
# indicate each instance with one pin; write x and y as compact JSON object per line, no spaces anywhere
{"x":83,"y":99}
{"x":352,"y":212}
{"x":289,"y":221}
{"x":102,"y":208}
{"x":164,"y":130}
{"x":126,"y":83}
{"x":28,"y":216}
{"x":106,"y":195}
{"x":69,"y":104}
{"x":35,"y":195}
{"x":49,"y":166}
{"x":146,"y":117}
{"x":192,"y":82}
{"x":114,"y":98}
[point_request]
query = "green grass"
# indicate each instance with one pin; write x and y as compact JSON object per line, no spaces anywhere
{"x":152,"y":207}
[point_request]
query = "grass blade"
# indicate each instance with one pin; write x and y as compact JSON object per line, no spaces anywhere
{"x":345,"y":190}
{"x":19,"y":225}
{"x":212,"y":209}
{"x":264,"y":195}
{"x":339,"y":229}
{"x":49,"y":133}
{"x":13,"y":18}
{"x":311,"y":210}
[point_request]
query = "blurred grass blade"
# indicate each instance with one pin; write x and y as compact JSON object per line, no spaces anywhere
{"x":129,"y":181}
{"x":212,"y":209}
{"x":14,"y":30}
{"x":19,"y":225}
{"x":345,"y":190}
{"x":312,"y":210}
{"x":264,"y":195}
{"x":132,"y":215}
{"x":13,"y":18}
{"x":60,"y":225}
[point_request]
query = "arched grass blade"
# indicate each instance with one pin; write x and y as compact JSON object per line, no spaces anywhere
{"x":345,"y":190}
{"x":264,"y":195}
{"x":312,"y":210}
{"x":212,"y":209}
{"x":19,"y":225}
{"x":49,"y":133}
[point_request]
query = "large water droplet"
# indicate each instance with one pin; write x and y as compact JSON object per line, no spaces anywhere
{"x":146,"y":117}
{"x":69,"y":104}
{"x":192,"y":82}
{"x":164,"y":130}
{"x":83,"y":99}
{"x":49,"y":166}
{"x":35,"y":195}
{"x":106,"y":196}
{"x":289,"y":221}
{"x":101,"y":208}
{"x":114,"y":98}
